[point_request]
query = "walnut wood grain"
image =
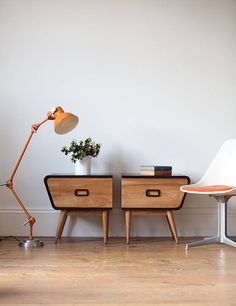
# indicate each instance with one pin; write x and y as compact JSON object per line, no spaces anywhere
{"x":147,"y":196}
{"x":61,"y":224}
{"x":127,"y":225}
{"x":171,"y":223}
{"x":81,"y":212}
{"x":63,"y":192}
{"x":134,"y":192}
{"x":150,"y":212}
{"x":105,"y":220}
{"x":80,"y":196}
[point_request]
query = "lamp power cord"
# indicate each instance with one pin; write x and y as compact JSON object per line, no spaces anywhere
{"x":8,"y":237}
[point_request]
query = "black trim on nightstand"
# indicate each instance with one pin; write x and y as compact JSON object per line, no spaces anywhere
{"x":138,"y":176}
{"x":72,"y":176}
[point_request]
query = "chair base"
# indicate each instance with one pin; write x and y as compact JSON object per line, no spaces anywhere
{"x":222,"y":226}
{"x":209,"y":240}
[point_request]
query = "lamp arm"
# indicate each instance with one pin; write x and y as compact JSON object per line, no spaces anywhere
{"x":9,"y":183}
{"x":34,"y":129}
{"x":31,"y":219}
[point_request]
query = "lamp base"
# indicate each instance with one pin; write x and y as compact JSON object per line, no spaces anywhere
{"x":30,"y":243}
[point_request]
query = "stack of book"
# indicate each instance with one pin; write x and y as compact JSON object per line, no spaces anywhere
{"x":156,"y":170}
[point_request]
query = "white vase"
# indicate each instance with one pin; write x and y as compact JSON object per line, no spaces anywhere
{"x":83,"y":167}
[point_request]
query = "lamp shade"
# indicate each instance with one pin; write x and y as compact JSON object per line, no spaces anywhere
{"x":64,"y":122}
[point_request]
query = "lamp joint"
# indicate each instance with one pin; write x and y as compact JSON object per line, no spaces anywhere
{"x":50,"y":114}
{"x":31,"y":221}
{"x":9,"y":184}
{"x":34,"y":128}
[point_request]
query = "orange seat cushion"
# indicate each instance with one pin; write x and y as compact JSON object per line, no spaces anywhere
{"x":212,"y":188}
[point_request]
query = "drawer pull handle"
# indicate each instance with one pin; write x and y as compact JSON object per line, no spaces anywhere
{"x":153,"y":192}
{"x":81,"y":192}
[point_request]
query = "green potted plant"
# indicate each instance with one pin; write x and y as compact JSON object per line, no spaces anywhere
{"x":81,"y":153}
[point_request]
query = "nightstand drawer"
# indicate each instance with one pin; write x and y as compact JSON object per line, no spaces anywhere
{"x":138,"y":192}
{"x":80,"y":192}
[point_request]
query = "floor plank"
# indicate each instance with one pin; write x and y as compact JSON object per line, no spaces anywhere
{"x":146,"y":272}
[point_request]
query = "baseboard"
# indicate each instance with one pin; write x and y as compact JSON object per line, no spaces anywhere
{"x":190,"y":222}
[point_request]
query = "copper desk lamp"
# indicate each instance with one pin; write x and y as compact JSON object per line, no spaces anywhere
{"x":63,"y":123}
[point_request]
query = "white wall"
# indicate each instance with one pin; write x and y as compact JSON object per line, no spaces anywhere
{"x":153,"y":81}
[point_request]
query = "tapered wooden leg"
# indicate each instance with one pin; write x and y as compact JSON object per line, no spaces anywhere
{"x":127,"y":224}
{"x":61,"y":224}
{"x":105,"y":218}
{"x":172,"y":226}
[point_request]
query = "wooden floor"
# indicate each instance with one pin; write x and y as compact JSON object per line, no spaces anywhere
{"x":147,"y":272}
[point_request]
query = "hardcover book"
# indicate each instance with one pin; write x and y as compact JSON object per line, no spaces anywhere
{"x":156,"y":172}
{"x":156,"y":168}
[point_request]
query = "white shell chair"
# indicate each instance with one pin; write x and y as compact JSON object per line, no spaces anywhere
{"x":219,"y":181}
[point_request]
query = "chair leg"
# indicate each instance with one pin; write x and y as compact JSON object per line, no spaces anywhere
{"x":229,"y":242}
{"x":207,"y":240}
{"x":222,"y":227}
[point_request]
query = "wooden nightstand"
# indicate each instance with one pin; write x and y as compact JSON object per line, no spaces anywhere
{"x":151,"y":195}
{"x":80,"y":195}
